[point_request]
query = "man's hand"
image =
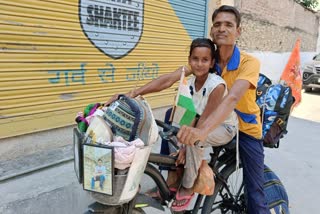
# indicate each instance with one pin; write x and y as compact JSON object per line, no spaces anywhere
{"x":112,"y":99}
{"x":189,"y":135}
{"x":131,"y":94}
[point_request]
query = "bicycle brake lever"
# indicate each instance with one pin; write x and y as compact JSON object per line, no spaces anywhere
{"x":174,"y":141}
{"x":174,"y":130}
{"x":170,"y":136}
{"x":164,"y":135}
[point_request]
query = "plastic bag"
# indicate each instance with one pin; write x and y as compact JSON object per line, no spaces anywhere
{"x":204,"y":183}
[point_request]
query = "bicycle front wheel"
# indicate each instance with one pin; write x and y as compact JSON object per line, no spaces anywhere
{"x":228,"y":197}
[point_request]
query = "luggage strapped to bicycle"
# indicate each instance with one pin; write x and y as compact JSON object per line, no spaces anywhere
{"x":119,"y":186}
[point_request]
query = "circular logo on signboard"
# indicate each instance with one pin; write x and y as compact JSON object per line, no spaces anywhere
{"x":113,"y":26}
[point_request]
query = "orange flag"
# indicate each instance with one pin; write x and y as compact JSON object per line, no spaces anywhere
{"x":291,"y":74}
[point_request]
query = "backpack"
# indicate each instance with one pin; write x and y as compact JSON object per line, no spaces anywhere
{"x":132,"y":118}
{"x":274,"y":101}
{"x":263,"y":79}
{"x":275,"y":193}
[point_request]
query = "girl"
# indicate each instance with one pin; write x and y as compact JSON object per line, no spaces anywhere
{"x":207,"y":90}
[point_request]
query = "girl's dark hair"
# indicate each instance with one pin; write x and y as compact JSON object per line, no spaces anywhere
{"x":203,"y":42}
{"x":228,"y":9}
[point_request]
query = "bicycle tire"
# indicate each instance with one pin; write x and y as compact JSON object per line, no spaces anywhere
{"x":211,"y":201}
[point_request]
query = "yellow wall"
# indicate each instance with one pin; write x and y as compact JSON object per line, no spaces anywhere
{"x":51,"y":65}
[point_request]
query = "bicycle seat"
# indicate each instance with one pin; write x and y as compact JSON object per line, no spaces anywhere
{"x":231,"y":145}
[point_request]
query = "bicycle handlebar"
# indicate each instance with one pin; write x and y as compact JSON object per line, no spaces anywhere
{"x":172,"y":133}
{"x":169,"y":135}
{"x":171,"y":129}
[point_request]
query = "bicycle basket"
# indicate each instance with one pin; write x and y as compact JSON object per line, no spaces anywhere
{"x":124,"y":186}
{"x":124,"y":183}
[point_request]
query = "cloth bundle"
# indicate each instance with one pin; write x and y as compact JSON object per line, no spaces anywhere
{"x":124,"y":151}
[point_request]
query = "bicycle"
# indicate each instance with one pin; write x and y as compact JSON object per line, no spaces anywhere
{"x":228,"y":196}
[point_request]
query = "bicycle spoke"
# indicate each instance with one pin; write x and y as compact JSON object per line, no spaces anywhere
{"x":229,"y":199}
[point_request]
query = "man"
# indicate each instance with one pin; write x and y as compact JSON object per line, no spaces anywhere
{"x":99,"y":175}
{"x":241,"y":72}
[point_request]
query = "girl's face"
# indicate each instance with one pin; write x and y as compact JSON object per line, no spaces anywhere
{"x":201,"y":61}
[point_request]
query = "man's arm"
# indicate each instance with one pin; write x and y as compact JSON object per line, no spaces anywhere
{"x":214,"y":100}
{"x":188,"y":135}
{"x":163,"y":82}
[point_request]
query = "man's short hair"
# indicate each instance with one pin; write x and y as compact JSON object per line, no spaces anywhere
{"x":228,"y":9}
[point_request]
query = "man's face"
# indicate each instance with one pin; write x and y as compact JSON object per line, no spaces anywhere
{"x":224,"y":30}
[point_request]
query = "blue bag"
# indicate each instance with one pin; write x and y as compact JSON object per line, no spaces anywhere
{"x":275,"y":193}
{"x":274,"y":101}
{"x":263,"y":79}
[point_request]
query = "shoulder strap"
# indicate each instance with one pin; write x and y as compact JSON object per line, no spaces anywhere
{"x":260,"y":91}
{"x":280,"y":98}
{"x":131,"y":102}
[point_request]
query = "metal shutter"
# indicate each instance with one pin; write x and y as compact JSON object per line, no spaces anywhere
{"x":57,"y":56}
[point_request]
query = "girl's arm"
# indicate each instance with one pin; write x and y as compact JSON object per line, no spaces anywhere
{"x":163,"y":82}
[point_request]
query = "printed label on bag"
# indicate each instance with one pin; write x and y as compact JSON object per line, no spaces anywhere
{"x":114,"y":105}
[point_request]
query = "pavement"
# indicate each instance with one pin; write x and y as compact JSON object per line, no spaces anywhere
{"x":56,"y":190}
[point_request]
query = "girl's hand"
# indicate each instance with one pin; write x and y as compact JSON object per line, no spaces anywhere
{"x":187,"y":69}
{"x":112,"y":99}
{"x":181,"y":157}
{"x":131,"y":94}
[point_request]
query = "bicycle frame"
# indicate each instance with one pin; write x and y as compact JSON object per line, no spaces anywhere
{"x":221,"y":158}
{"x":217,"y":161}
